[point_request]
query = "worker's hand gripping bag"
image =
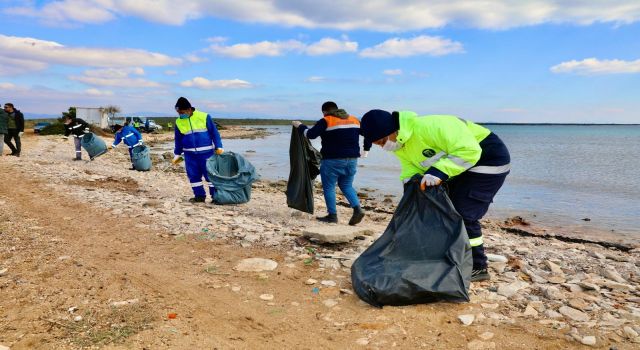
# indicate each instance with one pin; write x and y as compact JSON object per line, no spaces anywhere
{"x":423,"y":256}
{"x":232,"y":176}
{"x":304,"y":160}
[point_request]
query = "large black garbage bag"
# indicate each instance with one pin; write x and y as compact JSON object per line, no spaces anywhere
{"x":305,"y":167}
{"x":423,"y":256}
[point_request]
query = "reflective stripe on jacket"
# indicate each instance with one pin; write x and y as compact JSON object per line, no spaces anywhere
{"x":442,"y":145}
{"x":196,"y":134}
{"x":340,"y":135}
{"x":129,"y":135}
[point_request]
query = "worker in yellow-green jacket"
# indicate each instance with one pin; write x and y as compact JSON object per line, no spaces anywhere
{"x":471,"y":159}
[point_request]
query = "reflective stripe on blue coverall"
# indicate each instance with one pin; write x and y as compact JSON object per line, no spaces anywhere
{"x":196,"y":166}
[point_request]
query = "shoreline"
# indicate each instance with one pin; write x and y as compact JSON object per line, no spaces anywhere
{"x":89,"y":234}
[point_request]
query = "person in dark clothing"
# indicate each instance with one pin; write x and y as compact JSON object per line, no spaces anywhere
{"x":4,"y":121}
{"x":15,"y":129}
{"x":77,"y":128}
{"x":340,"y":134}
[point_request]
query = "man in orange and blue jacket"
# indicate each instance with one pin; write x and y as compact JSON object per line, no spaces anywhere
{"x":340,"y":134}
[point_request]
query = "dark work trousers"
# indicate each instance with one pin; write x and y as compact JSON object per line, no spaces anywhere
{"x":76,"y":142}
{"x":13,"y":134}
{"x":471,"y":194}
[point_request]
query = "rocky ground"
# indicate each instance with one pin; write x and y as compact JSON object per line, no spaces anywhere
{"x":93,"y":255}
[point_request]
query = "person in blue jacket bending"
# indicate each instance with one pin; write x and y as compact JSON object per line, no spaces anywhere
{"x":197,"y":137}
{"x":130,"y":136}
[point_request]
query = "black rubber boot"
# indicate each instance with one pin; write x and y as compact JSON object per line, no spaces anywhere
{"x":358,"y":215}
{"x":197,"y":199}
{"x":480,"y":275}
{"x":330,"y":218}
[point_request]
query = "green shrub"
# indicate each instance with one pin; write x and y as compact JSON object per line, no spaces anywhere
{"x":53,"y":129}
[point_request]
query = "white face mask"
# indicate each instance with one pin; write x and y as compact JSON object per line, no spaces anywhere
{"x":391,"y":146}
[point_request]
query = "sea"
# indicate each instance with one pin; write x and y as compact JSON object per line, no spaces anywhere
{"x":578,"y":178}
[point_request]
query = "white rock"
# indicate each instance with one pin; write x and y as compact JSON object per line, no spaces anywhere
{"x":72,"y":309}
{"x":486,"y":336}
{"x":530,"y":311}
{"x":597,"y":255}
{"x":509,"y":290}
{"x":77,"y":318}
{"x":489,"y":306}
{"x":236,"y":289}
{"x":552,"y":314}
{"x":481,"y":345}
{"x":612,"y":274}
{"x":589,"y":340}
{"x":555,"y":269}
{"x":310,"y":282}
{"x":330,"y":303}
{"x":125,"y":302}
{"x":630,"y":332}
{"x":497,"y":258}
{"x":335,"y":233}
{"x":466,"y":320}
{"x":589,"y":286}
{"x":574,"y":314}
{"x":362,"y":341}
{"x":266,"y":297}
{"x":256,"y":265}
{"x":553,"y":293}
{"x":3,"y":347}
{"x":328,"y":283}
{"x":3,"y":271}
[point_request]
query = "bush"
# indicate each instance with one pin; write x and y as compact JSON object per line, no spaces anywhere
{"x":53,"y":129}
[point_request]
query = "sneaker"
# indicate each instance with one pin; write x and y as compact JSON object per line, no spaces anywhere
{"x":197,"y":199}
{"x":330,"y":218}
{"x":480,"y":275}
{"x":357,"y":216}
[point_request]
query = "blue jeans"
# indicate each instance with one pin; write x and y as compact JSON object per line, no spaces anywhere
{"x":338,"y":171}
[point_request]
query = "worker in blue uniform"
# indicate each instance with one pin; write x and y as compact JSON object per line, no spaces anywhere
{"x":197,"y":137}
{"x":130,"y":136}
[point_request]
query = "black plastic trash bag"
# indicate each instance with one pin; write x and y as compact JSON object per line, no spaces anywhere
{"x":304,"y":160}
{"x":423,"y":256}
{"x":231,"y":175}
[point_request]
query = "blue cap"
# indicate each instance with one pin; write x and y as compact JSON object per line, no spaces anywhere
{"x":377,"y":124}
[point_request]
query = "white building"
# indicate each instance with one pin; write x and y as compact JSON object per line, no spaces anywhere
{"x":93,"y":115}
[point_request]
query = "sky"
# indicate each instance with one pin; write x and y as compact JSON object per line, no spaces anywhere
{"x":564,"y":61}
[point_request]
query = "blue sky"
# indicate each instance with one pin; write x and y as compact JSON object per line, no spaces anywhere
{"x":502,"y":61}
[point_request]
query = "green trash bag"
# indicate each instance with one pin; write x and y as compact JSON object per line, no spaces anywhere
{"x":94,"y":145}
{"x":231,"y":175}
{"x":141,"y":158}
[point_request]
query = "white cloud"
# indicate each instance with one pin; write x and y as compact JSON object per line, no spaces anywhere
{"x":203,"y":83}
{"x":193,"y":58}
{"x":377,"y":15}
{"x":315,"y":79}
{"x":14,"y":66}
{"x":593,"y":66}
{"x":421,"y":45}
{"x":61,"y":13}
{"x":329,"y":46}
{"x":171,"y":72}
{"x":392,"y":72}
{"x":263,"y":48}
{"x":41,"y":53}
{"x":7,"y":86}
{"x":120,"y":77}
{"x":325,"y":46}
{"x":96,"y":92}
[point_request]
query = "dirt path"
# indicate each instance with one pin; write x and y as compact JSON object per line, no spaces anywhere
{"x":67,"y":259}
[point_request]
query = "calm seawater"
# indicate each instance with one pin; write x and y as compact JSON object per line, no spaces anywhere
{"x":560,"y":174}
